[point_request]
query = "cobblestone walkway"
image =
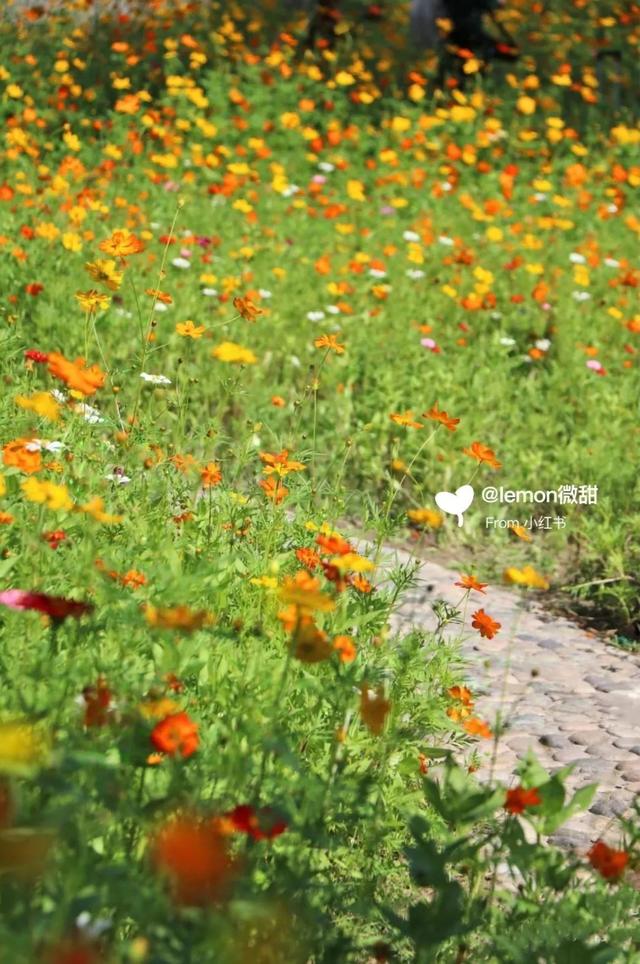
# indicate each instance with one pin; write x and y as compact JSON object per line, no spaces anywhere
{"x":569,"y":697}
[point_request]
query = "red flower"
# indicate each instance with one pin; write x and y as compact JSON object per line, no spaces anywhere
{"x":34,"y":288}
{"x":57,"y":607}
{"x":97,"y":700}
{"x":36,"y":356}
{"x":54,"y":538}
{"x":193,"y":855}
{"x":519,"y":799}
{"x":176,"y":734}
{"x":608,"y":862}
{"x":262,"y":824}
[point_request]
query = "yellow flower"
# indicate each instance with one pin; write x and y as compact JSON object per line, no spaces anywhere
{"x":344,"y":78}
{"x":42,"y":403}
{"x":158,"y":709}
{"x":526,"y":105}
{"x":355,"y":190}
{"x":21,"y":745}
{"x":302,"y":590}
{"x":525,"y":577}
{"x":3,"y":485}
{"x":55,"y":497}
{"x":267,"y":582}
{"x":104,"y":272}
{"x":228,"y":351}
{"x":426,"y":517}
{"x":188,"y":330}
{"x":353,"y":562}
{"x":93,"y":300}
{"x":177,"y":617}
{"x":95,"y":508}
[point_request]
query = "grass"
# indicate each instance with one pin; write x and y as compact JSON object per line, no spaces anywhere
{"x":229,"y":752}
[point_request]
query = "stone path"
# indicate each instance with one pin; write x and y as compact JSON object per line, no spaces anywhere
{"x":569,"y":697}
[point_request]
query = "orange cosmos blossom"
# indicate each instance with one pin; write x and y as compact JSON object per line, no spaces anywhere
{"x":279,"y":463}
{"x":176,"y":735}
{"x":210,"y":475}
{"x":330,"y":342}
{"x":485,"y":625}
{"x":247,"y":309}
{"x":346,"y":648}
{"x":483,"y":454}
{"x":121,"y":244}
{"x":374,"y":708}
{"x":74,"y":374}
{"x":406,"y":419}
{"x":437,"y":416}
{"x":470,"y":582}
{"x":17,"y":454}
{"x":476,"y":727}
{"x":192,"y":854}
{"x":274,"y":489}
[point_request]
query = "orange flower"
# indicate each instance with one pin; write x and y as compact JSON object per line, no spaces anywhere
{"x":461,"y":693}
{"x":406,"y":419}
{"x":330,"y":342}
{"x":483,"y":454}
{"x":122,"y":243}
{"x":519,"y":799}
{"x":274,"y":489}
{"x":345,"y":646}
{"x":278,"y":401}
{"x":436,"y":416}
{"x":477,"y":727}
{"x":470,"y":582}
{"x":485,"y":625}
{"x":177,"y":734}
{"x":609,"y":863}
{"x":334,"y":544}
{"x":178,"y":617}
{"x":361,"y":584}
{"x":18,"y":455}
{"x":373,"y":708}
{"x":279,"y":463}
{"x":308,"y":558}
{"x":193,"y":855}
{"x":158,"y":295}
{"x":247,"y":309}
{"x":74,"y":374}
{"x":210,"y":475}
{"x":520,"y":532}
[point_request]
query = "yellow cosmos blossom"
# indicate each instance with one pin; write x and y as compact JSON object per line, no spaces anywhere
{"x":188,"y":330}
{"x":42,"y":403}
{"x":353,"y":562}
{"x":55,"y":497}
{"x":95,"y":508}
{"x":92,"y":300}
{"x":525,"y":577}
{"x":229,"y":352}
{"x":21,"y":745}
{"x":105,"y":272}
{"x":178,"y":617}
{"x":302,"y":590}
{"x":425,"y":517}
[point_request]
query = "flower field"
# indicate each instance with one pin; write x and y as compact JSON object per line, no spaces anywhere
{"x":256,"y":301}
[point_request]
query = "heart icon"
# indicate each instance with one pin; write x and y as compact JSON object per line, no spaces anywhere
{"x":456,"y":502}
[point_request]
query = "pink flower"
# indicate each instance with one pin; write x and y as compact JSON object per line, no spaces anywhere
{"x":430,"y":344}
{"x":57,"y":607}
{"x":596,"y":366}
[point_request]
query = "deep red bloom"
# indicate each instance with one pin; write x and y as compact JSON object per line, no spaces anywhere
{"x":97,"y":700}
{"x":608,"y":862}
{"x":262,"y":824}
{"x":57,"y":607}
{"x":37,"y":356}
{"x":519,"y":799}
{"x":177,"y":734}
{"x":34,"y":288}
{"x":54,"y":538}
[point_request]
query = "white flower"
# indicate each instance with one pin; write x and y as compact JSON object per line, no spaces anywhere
{"x":37,"y":444}
{"x":576,"y":258}
{"x":295,"y":361}
{"x":612,"y":208}
{"x":415,"y":273}
{"x":264,"y":293}
{"x":209,"y":292}
{"x":155,"y":379}
{"x":89,"y":414}
{"x":507,"y":342}
{"x":123,"y":313}
{"x":581,"y":295}
{"x":410,"y":236}
{"x":543,"y":344}
{"x":377,"y":273}
{"x":290,"y":190}
{"x":118,"y":476}
{"x":181,"y":263}
{"x":443,"y":239}
{"x":333,"y":309}
{"x":445,"y":186}
{"x":540,"y":196}
{"x":315,"y":315}
{"x":611,"y":263}
{"x":160,"y":306}
{"x":58,"y":395}
{"x":326,"y":167}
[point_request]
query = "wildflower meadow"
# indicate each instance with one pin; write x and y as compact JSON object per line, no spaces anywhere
{"x":270,"y":308}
